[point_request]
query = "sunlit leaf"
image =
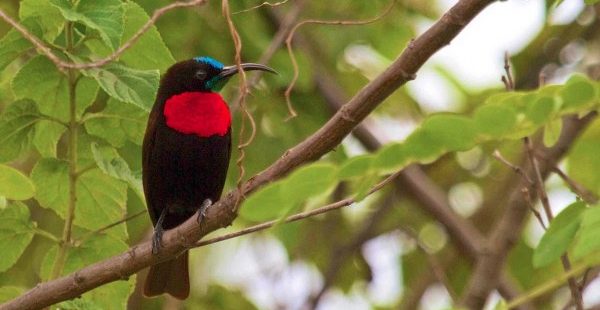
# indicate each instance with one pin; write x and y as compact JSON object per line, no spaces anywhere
{"x":588,"y":236}
{"x":47,"y":16}
{"x":390,"y":158}
{"x":17,"y":129}
{"x":126,"y":84}
{"x":111,"y":163}
{"x":309,"y":181}
{"x":355,"y":167}
{"x":552,"y":132}
{"x":266,"y":204}
{"x":559,"y":235}
{"x":15,"y":185}
{"x":51,"y":92}
{"x":16,"y":230}
{"x":104,"y":16}
{"x":47,"y":134}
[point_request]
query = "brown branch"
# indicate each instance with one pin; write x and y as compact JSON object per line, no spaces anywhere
{"x":507,"y":230}
{"x":539,"y":184}
{"x":222,"y":213}
{"x":62,"y":65}
{"x":288,"y":43}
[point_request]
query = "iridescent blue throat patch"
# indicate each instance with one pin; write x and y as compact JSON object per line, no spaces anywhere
{"x":210,"y":61}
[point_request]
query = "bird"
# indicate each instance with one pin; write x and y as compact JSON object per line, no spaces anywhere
{"x":185,"y":156}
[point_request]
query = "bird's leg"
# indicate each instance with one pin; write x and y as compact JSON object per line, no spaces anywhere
{"x":158,"y":232}
{"x":202,"y":211}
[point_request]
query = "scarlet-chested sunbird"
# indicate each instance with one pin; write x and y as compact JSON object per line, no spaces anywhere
{"x":185,"y":157}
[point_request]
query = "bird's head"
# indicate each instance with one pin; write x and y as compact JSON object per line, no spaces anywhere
{"x":204,"y":74}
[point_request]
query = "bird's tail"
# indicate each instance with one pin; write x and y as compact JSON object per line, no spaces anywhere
{"x":169,"y":277}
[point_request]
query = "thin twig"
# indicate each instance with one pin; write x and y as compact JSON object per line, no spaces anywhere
{"x":278,"y":39}
{"x":109,"y":226}
{"x":288,"y":43}
{"x":299,"y":216}
{"x":243,"y":90}
{"x":266,"y":3}
{"x":577,"y":188}
{"x":535,"y":212}
{"x":508,"y":79}
{"x":62,"y":65}
{"x":575,"y":292}
{"x":497,"y":155}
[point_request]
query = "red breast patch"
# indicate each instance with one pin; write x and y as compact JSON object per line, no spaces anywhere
{"x":203,"y":114}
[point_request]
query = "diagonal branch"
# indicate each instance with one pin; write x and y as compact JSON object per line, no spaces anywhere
{"x":223,"y":213}
{"x":62,"y":65}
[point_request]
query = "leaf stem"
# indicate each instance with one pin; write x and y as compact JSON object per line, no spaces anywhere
{"x":46,"y":234}
{"x":65,"y":242}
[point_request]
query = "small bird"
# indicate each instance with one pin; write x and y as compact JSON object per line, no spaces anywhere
{"x":185,"y":157}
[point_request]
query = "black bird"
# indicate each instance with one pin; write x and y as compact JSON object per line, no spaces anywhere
{"x":185,"y":157}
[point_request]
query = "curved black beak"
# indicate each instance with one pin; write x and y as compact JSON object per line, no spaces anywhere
{"x":231,"y":70}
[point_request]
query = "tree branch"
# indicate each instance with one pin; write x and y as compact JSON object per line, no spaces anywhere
{"x":222,"y":213}
{"x":62,"y":65}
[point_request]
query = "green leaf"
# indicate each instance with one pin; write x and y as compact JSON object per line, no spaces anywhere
{"x":111,"y":163}
{"x":559,"y":235}
{"x":266,"y":204}
{"x":583,"y":162}
{"x":117,"y":123}
{"x":47,"y":134}
{"x":105,"y":16}
{"x":390,"y":158}
{"x":11,"y":46}
{"x":454,"y":132}
{"x":542,"y":109}
{"x":355,"y":167}
{"x":422,"y":147}
{"x":578,"y":93}
{"x":309,"y":181}
{"x":48,"y":17}
{"x":16,"y":231}
{"x":100,"y":198}
{"x":495,"y":120}
{"x":126,"y":84}
{"x":591,"y":2}
{"x":51,"y":178}
{"x":51,"y":91}
{"x":149,"y":52}
{"x":17,"y":129}
{"x":100,"y":202}
{"x":8,"y":292}
{"x":15,"y":185}
{"x":588,"y":241}
{"x":552,"y":132}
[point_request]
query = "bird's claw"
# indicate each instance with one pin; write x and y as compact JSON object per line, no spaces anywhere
{"x":158,"y":232}
{"x":157,"y":239}
{"x":202,"y":211}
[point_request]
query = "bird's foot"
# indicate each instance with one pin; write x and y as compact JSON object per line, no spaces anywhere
{"x":202,"y":211}
{"x":158,"y":232}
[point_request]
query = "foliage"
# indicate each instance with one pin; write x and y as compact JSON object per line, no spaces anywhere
{"x":70,"y":146}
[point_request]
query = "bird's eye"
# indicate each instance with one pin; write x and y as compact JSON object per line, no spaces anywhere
{"x":200,"y":75}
